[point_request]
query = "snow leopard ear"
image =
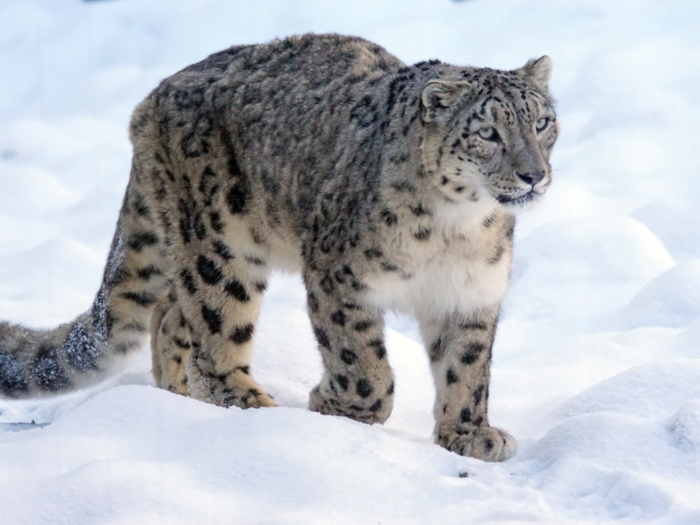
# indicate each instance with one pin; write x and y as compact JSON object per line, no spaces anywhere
{"x":537,"y":71}
{"x":439,"y":95}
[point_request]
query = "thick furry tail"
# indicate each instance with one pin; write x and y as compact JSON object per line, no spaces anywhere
{"x":36,"y":363}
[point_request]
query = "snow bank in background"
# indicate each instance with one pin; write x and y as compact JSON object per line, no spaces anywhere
{"x":549,"y":279}
{"x":596,"y":363}
{"x":672,"y":299}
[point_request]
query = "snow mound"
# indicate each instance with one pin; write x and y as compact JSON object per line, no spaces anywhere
{"x":132,"y":439}
{"x":671,"y":299}
{"x":32,"y":191}
{"x":651,"y":390}
{"x":555,"y":265}
{"x":684,"y":429}
{"x":676,"y":224}
{"x":627,"y":467}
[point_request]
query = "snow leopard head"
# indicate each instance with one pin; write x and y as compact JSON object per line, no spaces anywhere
{"x":488,"y":134}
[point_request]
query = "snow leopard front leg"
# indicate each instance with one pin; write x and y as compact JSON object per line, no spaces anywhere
{"x":357,"y":382}
{"x":459,"y":347}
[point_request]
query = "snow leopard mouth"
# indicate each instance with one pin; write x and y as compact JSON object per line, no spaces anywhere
{"x":510,"y":201}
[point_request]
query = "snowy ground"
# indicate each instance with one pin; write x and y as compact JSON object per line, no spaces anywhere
{"x":597,"y":359}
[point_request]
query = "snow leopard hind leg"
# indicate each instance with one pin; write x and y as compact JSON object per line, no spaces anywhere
{"x":216,"y":248}
{"x":220,"y":325}
{"x":170,"y":346}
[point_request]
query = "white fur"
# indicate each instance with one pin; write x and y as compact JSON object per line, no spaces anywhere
{"x":442,"y":287}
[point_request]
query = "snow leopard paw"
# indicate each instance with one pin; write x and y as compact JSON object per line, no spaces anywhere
{"x":485,"y":443}
{"x":374,"y":411}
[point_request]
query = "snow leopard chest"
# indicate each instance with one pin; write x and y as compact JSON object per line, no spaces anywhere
{"x":458,"y":270}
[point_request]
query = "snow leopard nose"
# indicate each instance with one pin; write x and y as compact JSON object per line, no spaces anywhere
{"x":531,"y":177}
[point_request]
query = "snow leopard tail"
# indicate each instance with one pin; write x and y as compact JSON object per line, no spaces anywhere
{"x":100,"y":342}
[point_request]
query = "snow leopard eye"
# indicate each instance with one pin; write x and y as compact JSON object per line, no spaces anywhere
{"x":541,"y":124}
{"x":489,"y":134}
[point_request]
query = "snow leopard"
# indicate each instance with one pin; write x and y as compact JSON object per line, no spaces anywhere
{"x":387,"y":186}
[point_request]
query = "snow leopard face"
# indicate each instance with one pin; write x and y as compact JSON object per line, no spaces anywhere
{"x":489,"y":134}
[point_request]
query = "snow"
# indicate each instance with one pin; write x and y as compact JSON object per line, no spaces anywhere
{"x":597,"y":359}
